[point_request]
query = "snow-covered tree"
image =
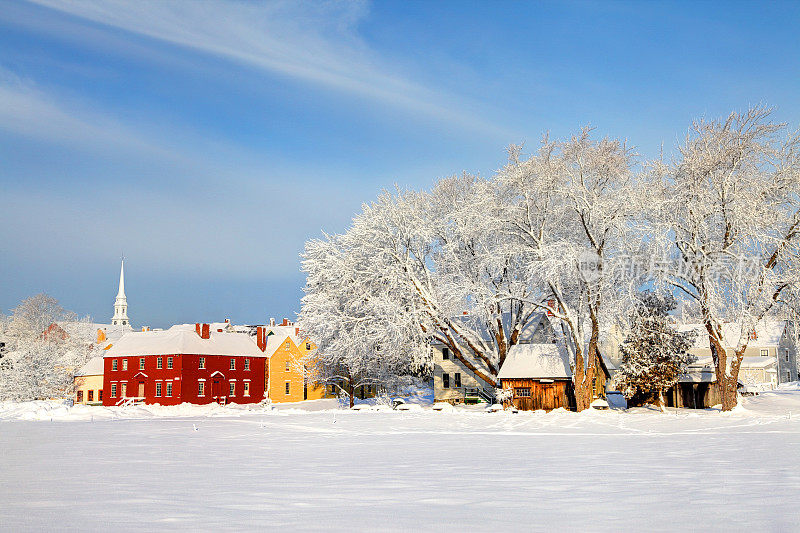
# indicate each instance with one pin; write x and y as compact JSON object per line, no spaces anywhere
{"x":728,"y":208}
{"x":40,"y":357}
{"x":433,"y":264}
{"x":359,"y":324}
{"x":571,"y":207}
{"x":654,"y":353}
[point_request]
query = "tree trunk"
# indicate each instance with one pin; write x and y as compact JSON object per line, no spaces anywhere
{"x":660,"y":400}
{"x":727,"y":383}
{"x":586,"y":371}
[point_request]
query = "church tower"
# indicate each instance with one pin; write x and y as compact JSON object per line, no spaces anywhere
{"x":120,"y":317}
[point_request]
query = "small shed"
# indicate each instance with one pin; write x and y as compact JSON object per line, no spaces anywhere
{"x":538,"y":376}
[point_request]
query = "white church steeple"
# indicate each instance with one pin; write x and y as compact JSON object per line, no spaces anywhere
{"x":120,"y":317}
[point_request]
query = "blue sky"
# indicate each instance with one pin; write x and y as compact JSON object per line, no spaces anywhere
{"x":207,"y":141}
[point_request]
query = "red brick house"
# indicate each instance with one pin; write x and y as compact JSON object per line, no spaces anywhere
{"x":185,"y":364}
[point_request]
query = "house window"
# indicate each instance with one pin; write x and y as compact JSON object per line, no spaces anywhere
{"x":287,"y":365}
{"x":287,"y":387}
{"x":124,"y":364}
{"x":113,"y":364}
{"x":232,"y":389}
{"x":457,"y":379}
{"x":124,"y":390}
{"x":141,"y":363}
{"x":201,"y":388}
{"x":233,"y":364}
{"x":160,"y":362}
{"x":594,"y":387}
{"x":90,"y":396}
{"x":288,"y":345}
{"x":113,"y":390}
{"x":169,"y":362}
{"x":158,"y":389}
{"x":786,"y":355}
{"x":169,"y":389}
{"x":308,"y":346}
{"x":522,"y":392}
{"x":247,"y":388}
{"x":765,"y":353}
{"x":80,"y":396}
{"x":445,"y":353}
{"x":202,"y":363}
{"x":788,"y":378}
{"x":247,"y":364}
{"x":100,"y":395}
{"x":446,"y":380}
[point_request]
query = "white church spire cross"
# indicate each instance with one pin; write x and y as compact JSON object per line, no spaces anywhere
{"x":120,"y":317}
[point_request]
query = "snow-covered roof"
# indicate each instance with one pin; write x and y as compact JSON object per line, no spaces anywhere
{"x":94,"y":367}
{"x":535,"y":361}
{"x":758,"y":362}
{"x":768,"y":333}
{"x":182,"y":339}
{"x":698,"y":377}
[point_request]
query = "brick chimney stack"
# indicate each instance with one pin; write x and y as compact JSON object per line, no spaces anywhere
{"x":261,"y":338}
{"x":285,"y":322}
{"x":197,"y":329}
{"x":206,"y":334}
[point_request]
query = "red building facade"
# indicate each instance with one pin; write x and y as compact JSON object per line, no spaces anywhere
{"x":186,"y":365}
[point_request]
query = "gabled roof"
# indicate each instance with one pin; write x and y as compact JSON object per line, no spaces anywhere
{"x":536,"y":361}
{"x":768,"y":333}
{"x":183,"y":340}
{"x":94,"y":367}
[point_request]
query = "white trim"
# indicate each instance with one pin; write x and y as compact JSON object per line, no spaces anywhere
{"x":201,"y":379}
{"x":247,"y":380}
{"x":234,"y":379}
{"x":218,"y":372}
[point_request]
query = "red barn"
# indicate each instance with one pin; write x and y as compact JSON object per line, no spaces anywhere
{"x":185,"y":364}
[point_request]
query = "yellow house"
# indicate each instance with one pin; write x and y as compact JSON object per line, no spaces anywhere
{"x":89,"y":383}
{"x":286,"y":377}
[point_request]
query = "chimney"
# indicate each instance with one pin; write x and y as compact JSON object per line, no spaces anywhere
{"x":197,"y":329}
{"x":465,"y":313}
{"x":227,"y":320}
{"x":296,"y":332}
{"x":261,"y":338}
{"x":206,"y":332}
{"x":285,"y":322}
{"x":271,"y":321}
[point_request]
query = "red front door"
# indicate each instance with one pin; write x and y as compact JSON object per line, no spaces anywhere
{"x":216,"y":390}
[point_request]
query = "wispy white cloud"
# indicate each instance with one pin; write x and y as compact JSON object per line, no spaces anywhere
{"x":317,"y":42}
{"x":30,"y":111}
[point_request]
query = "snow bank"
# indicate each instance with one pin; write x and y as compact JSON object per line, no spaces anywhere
{"x":249,"y":468}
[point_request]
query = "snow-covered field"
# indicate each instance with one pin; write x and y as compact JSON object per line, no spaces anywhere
{"x":210,"y":468}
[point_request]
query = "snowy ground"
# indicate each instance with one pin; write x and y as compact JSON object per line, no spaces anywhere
{"x":149,"y":469}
